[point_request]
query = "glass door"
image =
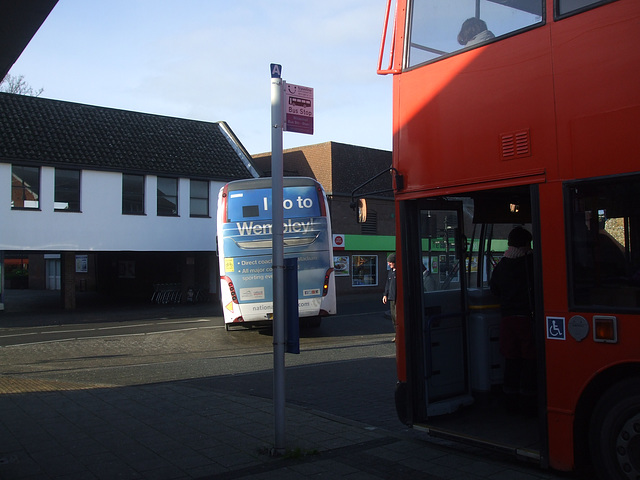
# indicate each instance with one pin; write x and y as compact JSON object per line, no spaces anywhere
{"x":443,"y":253}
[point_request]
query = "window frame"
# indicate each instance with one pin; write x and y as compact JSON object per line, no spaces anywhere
{"x":23,"y":187}
{"x":409,"y":35}
{"x":373,"y":269}
{"x":163,"y":199}
{"x":560,"y":16}
{"x":133,"y":197}
{"x":60,"y":190}
{"x":592,"y":248}
{"x":194,"y":198}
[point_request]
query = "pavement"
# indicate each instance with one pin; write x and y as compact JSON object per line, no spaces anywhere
{"x":187,"y":430}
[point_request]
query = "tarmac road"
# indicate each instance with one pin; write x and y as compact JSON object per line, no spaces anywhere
{"x":345,"y":373}
{"x":346,"y":367}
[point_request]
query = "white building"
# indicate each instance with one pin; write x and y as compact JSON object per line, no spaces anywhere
{"x":110,"y":200}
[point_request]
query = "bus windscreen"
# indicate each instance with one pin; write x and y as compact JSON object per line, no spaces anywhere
{"x":256,"y":204}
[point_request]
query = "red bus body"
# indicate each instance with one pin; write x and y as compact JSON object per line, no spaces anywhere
{"x":532,"y":111}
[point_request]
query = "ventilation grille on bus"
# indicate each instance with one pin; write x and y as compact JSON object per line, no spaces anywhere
{"x":515,"y":145}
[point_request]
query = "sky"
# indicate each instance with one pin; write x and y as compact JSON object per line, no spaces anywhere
{"x":209,"y":60}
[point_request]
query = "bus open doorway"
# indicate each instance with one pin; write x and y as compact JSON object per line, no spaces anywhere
{"x":455,"y":368}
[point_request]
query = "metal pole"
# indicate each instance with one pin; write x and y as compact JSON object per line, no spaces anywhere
{"x":2,"y":280}
{"x":278,"y":259}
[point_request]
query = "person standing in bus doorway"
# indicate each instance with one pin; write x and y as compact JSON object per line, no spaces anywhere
{"x":512,"y":283}
{"x":390,"y":290}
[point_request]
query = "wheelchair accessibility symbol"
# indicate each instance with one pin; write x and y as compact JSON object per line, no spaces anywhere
{"x":555,"y":328}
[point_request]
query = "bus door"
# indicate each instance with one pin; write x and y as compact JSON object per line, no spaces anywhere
{"x":452,"y":321}
{"x":441,"y":249}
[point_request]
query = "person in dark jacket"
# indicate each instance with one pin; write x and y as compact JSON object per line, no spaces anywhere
{"x":512,"y":283}
{"x":390,"y":290}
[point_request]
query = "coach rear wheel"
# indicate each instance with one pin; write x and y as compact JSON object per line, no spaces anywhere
{"x":615,"y":432}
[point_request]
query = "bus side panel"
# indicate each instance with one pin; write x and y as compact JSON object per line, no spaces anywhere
{"x":448,"y":115}
{"x":560,"y":404}
{"x":553,"y":246}
{"x":560,"y":425}
{"x":566,"y":379}
{"x":597,"y":67}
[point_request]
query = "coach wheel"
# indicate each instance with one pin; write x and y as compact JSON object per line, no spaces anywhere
{"x":615,"y":432}
{"x":226,"y":327}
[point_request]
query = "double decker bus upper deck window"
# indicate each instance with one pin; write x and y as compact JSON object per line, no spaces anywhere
{"x":444,"y":27}
{"x":567,"y":7}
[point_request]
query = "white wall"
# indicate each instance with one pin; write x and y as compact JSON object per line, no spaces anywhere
{"x":101,"y":226}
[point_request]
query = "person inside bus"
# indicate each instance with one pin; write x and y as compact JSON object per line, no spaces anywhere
{"x":474,"y":31}
{"x":512,"y":283}
{"x":390,"y":290}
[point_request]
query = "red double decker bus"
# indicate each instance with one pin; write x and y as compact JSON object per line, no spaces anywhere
{"x":523,"y":113}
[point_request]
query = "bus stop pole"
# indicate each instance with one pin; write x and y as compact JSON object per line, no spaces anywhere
{"x":277,"y":195}
{"x":1,"y":280}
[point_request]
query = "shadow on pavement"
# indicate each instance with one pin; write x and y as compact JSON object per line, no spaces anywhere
{"x":24,"y":308}
{"x":44,"y":307}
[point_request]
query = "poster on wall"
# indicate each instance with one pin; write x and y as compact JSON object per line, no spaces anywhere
{"x":341,"y":266}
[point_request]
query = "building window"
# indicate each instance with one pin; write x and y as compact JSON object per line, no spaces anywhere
{"x":67,"y":190}
{"x":25,"y":187}
{"x":167,"y":197}
{"x":132,"y":194}
{"x":199,"y":201}
{"x":365,"y":270}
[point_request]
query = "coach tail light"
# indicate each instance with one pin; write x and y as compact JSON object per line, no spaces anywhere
{"x":325,"y":286}
{"x":234,"y":298}
{"x":232,"y":289}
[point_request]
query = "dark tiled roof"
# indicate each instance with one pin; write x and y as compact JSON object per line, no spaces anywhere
{"x":51,"y":132}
